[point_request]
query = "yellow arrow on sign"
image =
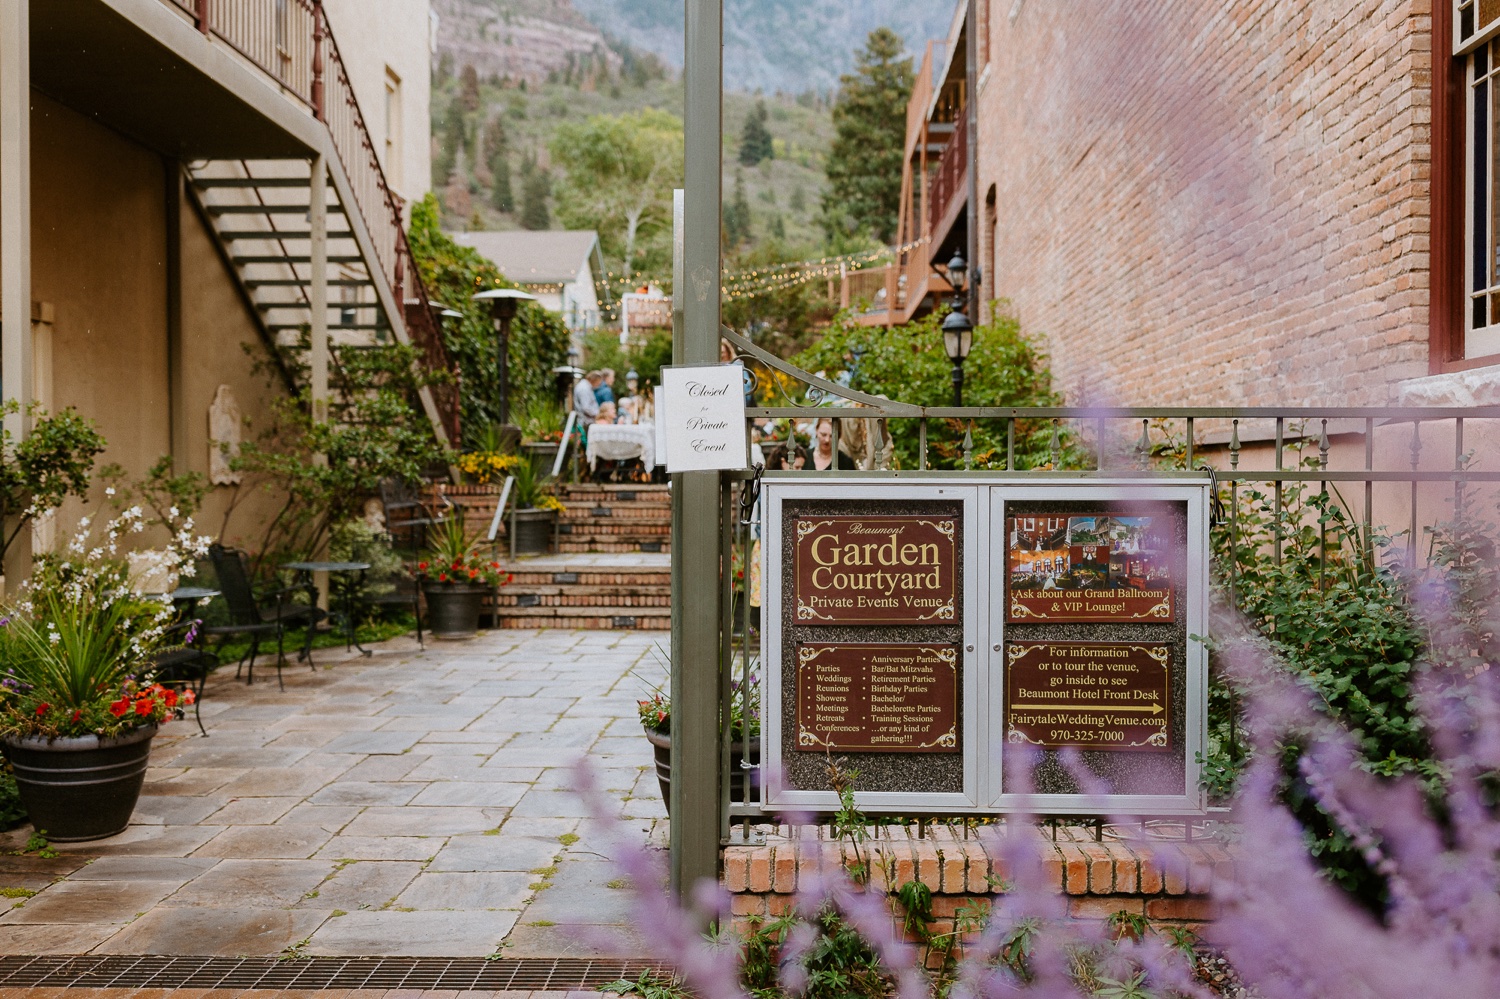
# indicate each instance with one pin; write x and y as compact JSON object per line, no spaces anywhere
{"x":1154,"y":709}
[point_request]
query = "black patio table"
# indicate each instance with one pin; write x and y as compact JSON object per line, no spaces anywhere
{"x":305,"y":571}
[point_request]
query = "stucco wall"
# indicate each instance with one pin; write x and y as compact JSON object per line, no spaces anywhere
{"x":1212,"y":204}
{"x":99,"y":257}
{"x":373,"y":35}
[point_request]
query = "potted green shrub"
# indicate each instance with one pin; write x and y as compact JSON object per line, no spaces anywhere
{"x":78,"y":702}
{"x":744,"y":735}
{"x":542,"y":423}
{"x":455,"y":575}
{"x":534,"y":510}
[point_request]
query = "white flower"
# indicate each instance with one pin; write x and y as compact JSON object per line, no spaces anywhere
{"x":110,"y":491}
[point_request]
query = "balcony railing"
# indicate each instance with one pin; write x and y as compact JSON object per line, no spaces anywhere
{"x":291,"y":42}
{"x":950,"y":182}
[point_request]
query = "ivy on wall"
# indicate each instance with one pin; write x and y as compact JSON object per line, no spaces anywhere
{"x":453,"y":274}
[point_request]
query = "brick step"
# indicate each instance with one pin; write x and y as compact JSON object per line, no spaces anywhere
{"x":605,"y":528}
{"x":577,"y":612}
{"x":635,"y":510}
{"x":621,"y":622}
{"x":657,"y":496}
{"x":631,"y":579}
{"x":575,"y":546}
{"x":659,"y":587}
{"x":513,"y":602}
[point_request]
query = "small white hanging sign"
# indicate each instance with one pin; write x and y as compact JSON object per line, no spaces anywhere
{"x":700,"y":418}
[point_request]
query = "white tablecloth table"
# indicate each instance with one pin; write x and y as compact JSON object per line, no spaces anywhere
{"x":622,"y":442}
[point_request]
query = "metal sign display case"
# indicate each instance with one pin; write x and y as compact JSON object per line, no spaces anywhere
{"x":985,"y":645}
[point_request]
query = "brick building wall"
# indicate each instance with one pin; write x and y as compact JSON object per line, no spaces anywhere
{"x":1211,"y":204}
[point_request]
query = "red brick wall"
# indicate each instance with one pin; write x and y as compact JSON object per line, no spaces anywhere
{"x":1213,"y":204}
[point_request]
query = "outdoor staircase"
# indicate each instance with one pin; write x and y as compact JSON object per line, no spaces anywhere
{"x":615,"y":518}
{"x":258,"y":210}
{"x":613,"y":569}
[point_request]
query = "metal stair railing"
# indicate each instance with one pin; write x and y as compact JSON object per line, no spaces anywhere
{"x":292,"y":43}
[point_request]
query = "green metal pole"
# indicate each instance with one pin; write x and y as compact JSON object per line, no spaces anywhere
{"x":695,"y":495}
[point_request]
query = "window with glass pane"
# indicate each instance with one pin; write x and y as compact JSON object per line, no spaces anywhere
{"x":1483,"y":223}
{"x":1473,"y":16}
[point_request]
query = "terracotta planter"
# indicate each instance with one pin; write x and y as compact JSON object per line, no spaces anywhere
{"x":661,"y":746}
{"x":80,"y":788}
{"x":453,"y":610}
{"x":531,"y":531}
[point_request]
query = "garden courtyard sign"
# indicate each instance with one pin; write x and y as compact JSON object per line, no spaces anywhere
{"x":980,"y":646}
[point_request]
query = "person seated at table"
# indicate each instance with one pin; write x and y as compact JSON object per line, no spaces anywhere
{"x":607,"y":413}
{"x":628,"y":410}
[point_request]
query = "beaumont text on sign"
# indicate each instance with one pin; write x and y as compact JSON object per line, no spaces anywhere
{"x":1092,"y":695}
{"x":1097,"y":567}
{"x":877,"y":698}
{"x":875,"y":570}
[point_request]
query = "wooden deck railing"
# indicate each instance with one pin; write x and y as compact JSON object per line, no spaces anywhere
{"x":950,"y":181}
{"x":292,"y":43}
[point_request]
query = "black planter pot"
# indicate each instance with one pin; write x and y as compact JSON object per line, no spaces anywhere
{"x":661,"y":746}
{"x":453,"y":610}
{"x":543,"y":456}
{"x":532,"y":530}
{"x":83,"y":787}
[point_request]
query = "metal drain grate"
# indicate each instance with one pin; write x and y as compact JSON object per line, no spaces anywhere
{"x":149,"y":971}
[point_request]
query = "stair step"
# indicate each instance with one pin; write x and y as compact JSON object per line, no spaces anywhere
{"x":305,"y":282}
{"x":518,"y":602}
{"x":206,"y":182}
{"x":660,"y":588}
{"x":332,"y":326}
{"x":267,"y":209}
{"x":575,"y":547}
{"x":274,"y":259}
{"x":300,"y":304}
{"x":622,"y":622}
{"x":233,"y":234}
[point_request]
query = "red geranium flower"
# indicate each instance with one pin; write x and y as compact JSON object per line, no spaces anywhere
{"x":422,"y":566}
{"x":144,"y":706}
{"x":473,"y":573}
{"x":442,"y":577}
{"x":120,"y":707}
{"x":77,"y":714}
{"x":170,"y":696}
{"x":188,"y":697}
{"x":41,"y":709}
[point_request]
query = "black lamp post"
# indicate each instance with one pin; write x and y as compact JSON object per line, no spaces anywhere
{"x":958,"y":331}
{"x":503,"y":305}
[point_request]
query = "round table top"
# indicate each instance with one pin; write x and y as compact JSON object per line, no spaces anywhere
{"x":326,"y":566}
{"x":193,"y":593}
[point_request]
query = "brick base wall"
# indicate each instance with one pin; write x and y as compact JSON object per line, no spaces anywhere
{"x":1170,"y":883}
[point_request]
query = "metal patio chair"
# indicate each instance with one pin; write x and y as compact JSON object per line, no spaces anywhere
{"x":259,"y":617}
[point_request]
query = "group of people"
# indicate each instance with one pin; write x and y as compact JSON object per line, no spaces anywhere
{"x":594,"y":399}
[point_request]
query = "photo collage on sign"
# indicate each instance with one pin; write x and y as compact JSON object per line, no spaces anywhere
{"x":1101,"y":552}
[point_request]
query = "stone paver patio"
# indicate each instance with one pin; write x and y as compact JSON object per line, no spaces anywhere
{"x":413,"y":803}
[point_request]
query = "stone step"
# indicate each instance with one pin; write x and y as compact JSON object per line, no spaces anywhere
{"x":611,"y":530}
{"x":514,"y":602}
{"x":575,"y":546}
{"x":634,"y":580}
{"x":619,"y":622}
{"x":645,"y":495}
{"x":615,"y":511}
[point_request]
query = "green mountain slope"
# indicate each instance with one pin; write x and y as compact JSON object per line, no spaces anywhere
{"x":775,"y":45}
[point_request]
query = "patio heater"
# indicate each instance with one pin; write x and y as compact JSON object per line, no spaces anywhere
{"x":958,"y":331}
{"x":503,"y":303}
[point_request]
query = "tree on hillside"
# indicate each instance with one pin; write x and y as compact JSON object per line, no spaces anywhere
{"x":618,"y":176}
{"x":864,"y":163}
{"x":755,"y":140}
{"x":497,"y":149}
{"x":468,"y":88}
{"x":737,"y":215}
{"x":536,"y":186}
